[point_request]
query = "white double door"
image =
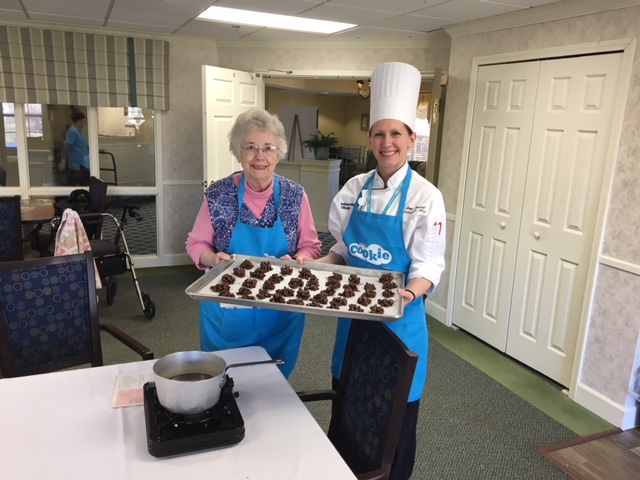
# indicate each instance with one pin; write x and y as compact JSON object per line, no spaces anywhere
{"x":539,"y":141}
{"x":226,"y":94}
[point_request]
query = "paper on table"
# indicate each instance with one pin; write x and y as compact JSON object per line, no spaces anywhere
{"x":127,"y":390}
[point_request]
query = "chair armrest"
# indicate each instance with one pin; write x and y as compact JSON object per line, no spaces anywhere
{"x":316,"y":395}
{"x":129,"y":341}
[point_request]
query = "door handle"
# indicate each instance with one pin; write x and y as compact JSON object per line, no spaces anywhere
{"x":502,"y":225}
{"x":536,"y":235}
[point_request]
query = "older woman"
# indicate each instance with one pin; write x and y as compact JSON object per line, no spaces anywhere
{"x":254,"y":212}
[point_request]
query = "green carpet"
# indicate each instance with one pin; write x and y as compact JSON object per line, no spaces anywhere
{"x":538,"y":390}
{"x":470,"y":425}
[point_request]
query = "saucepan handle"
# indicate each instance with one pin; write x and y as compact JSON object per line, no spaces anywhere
{"x":278,"y":361}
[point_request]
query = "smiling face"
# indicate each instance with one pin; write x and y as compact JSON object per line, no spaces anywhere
{"x":259,"y":165}
{"x":390,"y":142}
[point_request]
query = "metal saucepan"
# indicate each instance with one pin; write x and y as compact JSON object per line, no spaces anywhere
{"x":190,"y":382}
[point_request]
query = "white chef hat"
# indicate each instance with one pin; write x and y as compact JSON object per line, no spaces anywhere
{"x":395,"y":88}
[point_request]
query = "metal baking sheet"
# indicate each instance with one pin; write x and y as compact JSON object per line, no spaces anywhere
{"x":201,"y":289}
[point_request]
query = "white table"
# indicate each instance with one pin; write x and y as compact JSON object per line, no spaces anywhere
{"x":62,"y":426}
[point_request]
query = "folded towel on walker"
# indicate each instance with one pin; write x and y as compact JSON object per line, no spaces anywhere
{"x":71,"y":238}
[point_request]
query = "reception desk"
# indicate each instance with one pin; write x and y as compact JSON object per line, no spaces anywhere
{"x":321,"y":181}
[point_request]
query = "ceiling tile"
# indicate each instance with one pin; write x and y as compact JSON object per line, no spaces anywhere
{"x":12,"y":15}
{"x":378,"y":19}
{"x":201,"y":3}
{"x":337,"y":13}
{"x":524,"y":3}
{"x":82,"y":9}
{"x":414,"y":23}
{"x":137,"y":27}
{"x":373,"y":34}
{"x":145,"y":12}
{"x":464,"y":10}
{"x":219,"y":31}
{"x":393,"y":6}
{"x":11,"y":5}
{"x":268,"y":34}
{"x":66,"y":20}
{"x":282,"y":7}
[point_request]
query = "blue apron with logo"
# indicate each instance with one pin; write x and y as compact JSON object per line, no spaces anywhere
{"x":383,"y":234}
{"x":279,"y":333}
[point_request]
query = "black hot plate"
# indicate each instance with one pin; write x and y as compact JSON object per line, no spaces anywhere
{"x":172,"y":434}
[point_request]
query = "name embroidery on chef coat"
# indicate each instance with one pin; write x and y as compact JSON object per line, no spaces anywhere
{"x":373,"y":254}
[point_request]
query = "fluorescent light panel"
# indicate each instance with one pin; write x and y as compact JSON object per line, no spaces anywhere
{"x":282,"y":22}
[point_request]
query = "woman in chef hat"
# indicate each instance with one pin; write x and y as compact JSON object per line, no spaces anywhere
{"x":394,"y":208}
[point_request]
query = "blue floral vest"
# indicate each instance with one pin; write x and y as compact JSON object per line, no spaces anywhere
{"x":222,"y":198}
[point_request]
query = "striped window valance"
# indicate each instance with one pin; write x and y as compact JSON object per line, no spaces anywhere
{"x":56,"y":67}
{"x":151,"y":73}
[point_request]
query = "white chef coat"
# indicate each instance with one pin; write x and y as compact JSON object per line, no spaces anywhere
{"x":424,"y":222}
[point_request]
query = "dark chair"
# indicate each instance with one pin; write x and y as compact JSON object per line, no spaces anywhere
{"x":86,"y":202}
{"x":10,"y":229}
{"x":419,"y":167}
{"x":369,"y":402}
{"x":50,"y":316}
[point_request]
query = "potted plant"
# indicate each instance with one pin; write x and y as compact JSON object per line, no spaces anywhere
{"x":319,"y":144}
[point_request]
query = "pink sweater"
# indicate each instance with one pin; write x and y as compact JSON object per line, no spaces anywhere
{"x":201,"y":236}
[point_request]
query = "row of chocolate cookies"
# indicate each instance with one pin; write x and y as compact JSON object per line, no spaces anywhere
{"x":289,"y":294}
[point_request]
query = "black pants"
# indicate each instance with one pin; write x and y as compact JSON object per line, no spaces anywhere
{"x":78,"y":177}
{"x":405,"y":457}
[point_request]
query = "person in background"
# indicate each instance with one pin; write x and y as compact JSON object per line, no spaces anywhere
{"x":395,"y":209}
{"x":74,"y":158}
{"x":254,"y":212}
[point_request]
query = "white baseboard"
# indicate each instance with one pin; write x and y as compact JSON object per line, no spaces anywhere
{"x":614,"y":413}
{"x":436,"y":311}
{"x":149,"y":261}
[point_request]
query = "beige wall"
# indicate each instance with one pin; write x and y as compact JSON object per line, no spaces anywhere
{"x":331,"y":58}
{"x":339,"y":114}
{"x":182,"y":143}
{"x":614,"y":323}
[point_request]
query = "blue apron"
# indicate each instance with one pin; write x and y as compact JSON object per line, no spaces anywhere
{"x":386,"y":231}
{"x":280,"y":333}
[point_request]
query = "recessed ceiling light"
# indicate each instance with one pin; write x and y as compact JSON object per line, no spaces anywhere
{"x":282,"y":22}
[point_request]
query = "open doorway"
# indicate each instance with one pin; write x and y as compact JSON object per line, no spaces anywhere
{"x":341,"y":110}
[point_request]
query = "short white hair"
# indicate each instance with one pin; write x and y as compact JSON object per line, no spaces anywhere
{"x":257,"y":120}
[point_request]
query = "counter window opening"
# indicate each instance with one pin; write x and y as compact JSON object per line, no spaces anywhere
{"x":422,"y":129}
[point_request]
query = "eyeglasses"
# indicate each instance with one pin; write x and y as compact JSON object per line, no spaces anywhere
{"x":252,"y":150}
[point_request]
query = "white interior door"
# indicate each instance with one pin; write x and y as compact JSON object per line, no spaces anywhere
{"x":571,"y":136}
{"x":226,"y":94}
{"x":540,"y":135}
{"x":499,"y":148}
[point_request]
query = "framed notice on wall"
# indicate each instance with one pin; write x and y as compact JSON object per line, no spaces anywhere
{"x":364,"y":122}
